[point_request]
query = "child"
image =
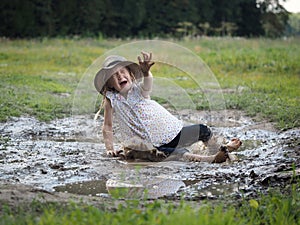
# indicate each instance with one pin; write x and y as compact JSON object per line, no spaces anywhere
{"x":126,"y":87}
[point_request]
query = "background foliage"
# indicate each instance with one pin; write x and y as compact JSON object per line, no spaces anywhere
{"x":130,"y":18}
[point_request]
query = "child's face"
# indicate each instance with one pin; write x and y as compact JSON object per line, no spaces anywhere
{"x":120,"y":80}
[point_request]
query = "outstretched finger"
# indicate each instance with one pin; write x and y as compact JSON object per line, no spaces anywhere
{"x":150,"y":56}
{"x":151,"y":64}
{"x":146,"y":56}
{"x":111,"y":153}
{"x":140,"y":60}
{"x":119,"y":152}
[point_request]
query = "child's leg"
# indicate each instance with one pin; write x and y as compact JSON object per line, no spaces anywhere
{"x":192,"y":134}
{"x":188,"y":136}
{"x":220,"y":157}
{"x":198,"y":158}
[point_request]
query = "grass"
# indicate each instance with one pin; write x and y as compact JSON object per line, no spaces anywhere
{"x":269,"y":209}
{"x":266,"y":70}
{"x":39,"y":77}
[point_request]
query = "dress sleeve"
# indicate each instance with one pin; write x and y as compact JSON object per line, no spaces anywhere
{"x":111,"y":97}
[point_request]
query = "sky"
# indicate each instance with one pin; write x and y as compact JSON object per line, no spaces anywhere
{"x":292,"y":5}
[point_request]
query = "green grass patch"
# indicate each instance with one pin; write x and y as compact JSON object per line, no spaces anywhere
{"x":264,"y":75}
{"x":273,"y":208}
{"x":39,"y":77}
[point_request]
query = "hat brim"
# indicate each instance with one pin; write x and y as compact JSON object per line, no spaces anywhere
{"x":105,"y":73}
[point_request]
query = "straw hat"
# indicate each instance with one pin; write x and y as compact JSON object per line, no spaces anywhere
{"x":110,"y":66}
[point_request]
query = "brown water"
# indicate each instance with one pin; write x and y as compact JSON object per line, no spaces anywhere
{"x":68,"y":155}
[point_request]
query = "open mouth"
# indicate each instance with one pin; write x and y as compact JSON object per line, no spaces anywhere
{"x":123,"y":83}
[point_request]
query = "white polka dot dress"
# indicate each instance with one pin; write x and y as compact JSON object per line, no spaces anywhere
{"x":142,"y":118}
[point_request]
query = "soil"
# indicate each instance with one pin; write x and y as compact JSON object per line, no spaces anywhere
{"x":65,"y":160}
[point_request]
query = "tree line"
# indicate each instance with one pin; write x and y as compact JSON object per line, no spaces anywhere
{"x":142,"y":18}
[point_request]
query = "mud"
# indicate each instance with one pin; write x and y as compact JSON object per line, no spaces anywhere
{"x":68,"y":156}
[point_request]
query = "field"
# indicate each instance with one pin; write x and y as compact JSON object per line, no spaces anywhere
{"x":38,"y":77}
{"x":261,"y":77}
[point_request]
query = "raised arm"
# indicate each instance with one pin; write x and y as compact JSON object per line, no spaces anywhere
{"x":147,"y":85}
{"x":145,"y":65}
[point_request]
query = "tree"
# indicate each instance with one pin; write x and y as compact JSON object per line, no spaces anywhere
{"x":274,"y":17}
{"x":131,"y":18}
{"x":250,"y":21}
{"x":17,"y":18}
{"x":293,"y":27}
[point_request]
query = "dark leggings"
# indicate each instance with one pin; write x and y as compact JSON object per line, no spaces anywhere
{"x":186,"y":137}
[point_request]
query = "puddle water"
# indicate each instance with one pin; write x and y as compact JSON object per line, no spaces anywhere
{"x":213,"y":190}
{"x":151,"y":187}
{"x":92,"y":188}
{"x":68,"y":155}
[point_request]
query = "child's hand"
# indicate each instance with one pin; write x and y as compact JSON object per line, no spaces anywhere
{"x":113,"y":153}
{"x":145,"y":63}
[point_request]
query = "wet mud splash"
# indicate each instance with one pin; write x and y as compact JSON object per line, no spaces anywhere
{"x":68,"y":155}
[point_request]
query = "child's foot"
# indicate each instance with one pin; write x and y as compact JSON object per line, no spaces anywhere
{"x":222,"y":155}
{"x":234,"y":144}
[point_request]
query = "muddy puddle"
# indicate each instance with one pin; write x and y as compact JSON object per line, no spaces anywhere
{"x":67,"y":155}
